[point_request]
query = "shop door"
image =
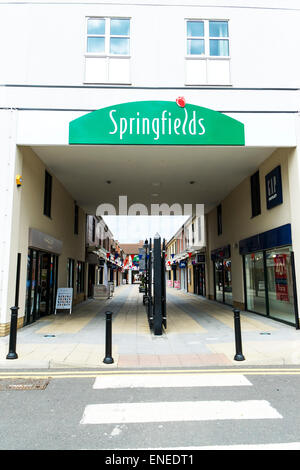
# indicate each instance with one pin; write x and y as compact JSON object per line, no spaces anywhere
{"x":223,"y":282}
{"x":91,"y":280}
{"x":47,"y":284}
{"x":41,"y":284}
{"x":202,"y":279}
{"x":219,"y":283}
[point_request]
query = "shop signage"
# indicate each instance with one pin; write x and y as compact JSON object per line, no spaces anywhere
{"x":177,"y":284}
{"x":281,"y":280}
{"x":156,"y":123}
{"x":64,"y":299}
{"x":182,"y":264}
{"x":43,"y":241}
{"x":274,"y":188}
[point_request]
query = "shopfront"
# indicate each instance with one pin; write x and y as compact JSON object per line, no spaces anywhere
{"x":221,"y":259}
{"x":183,"y":281}
{"x":269,"y":276}
{"x":41,"y":284}
{"x":199,"y":275}
{"x":42,"y":269}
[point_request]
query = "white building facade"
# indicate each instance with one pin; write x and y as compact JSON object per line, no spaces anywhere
{"x":151,"y":61}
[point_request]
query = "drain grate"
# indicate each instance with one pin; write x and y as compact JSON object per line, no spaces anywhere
{"x":23,"y":384}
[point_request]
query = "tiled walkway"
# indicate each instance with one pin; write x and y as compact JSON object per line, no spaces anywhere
{"x":200,"y":333}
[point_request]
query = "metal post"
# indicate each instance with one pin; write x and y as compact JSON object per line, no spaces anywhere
{"x":157,"y":324}
{"x":13,"y":334}
{"x":163,"y":284}
{"x":238,"y":338}
{"x":14,"y":316}
{"x":108,"y":337}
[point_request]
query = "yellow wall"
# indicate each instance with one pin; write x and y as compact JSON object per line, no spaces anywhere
{"x":28,"y":213}
{"x":237,"y":221}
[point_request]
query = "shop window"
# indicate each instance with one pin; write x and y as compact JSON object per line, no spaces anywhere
{"x":255,"y":282}
{"x":280,"y":284}
{"x":107,"y":56}
{"x":255,"y":194}
{"x":269,"y":284}
{"x":207,"y":52}
{"x":47,"y":194}
{"x":80,"y":276}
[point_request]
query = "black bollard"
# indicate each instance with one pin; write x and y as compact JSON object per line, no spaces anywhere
{"x":238,"y":338}
{"x":108,"y":336}
{"x":13,"y":334}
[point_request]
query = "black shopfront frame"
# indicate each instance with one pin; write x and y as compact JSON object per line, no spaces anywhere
{"x":279,"y":237}
{"x":219,"y":256}
{"x":34,"y":286}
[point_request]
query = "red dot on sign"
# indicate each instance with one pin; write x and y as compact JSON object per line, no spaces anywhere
{"x":181,"y":101}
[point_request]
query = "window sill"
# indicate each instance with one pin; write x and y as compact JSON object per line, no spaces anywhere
{"x":108,"y":83}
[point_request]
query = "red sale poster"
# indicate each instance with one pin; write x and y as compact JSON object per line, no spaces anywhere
{"x":281,"y":281}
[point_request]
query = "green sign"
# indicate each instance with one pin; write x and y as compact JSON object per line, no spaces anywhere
{"x":156,"y":123}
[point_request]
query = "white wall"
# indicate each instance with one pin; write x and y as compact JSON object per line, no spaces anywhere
{"x":45,"y":43}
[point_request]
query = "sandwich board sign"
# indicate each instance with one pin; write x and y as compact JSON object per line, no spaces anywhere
{"x":64,"y":299}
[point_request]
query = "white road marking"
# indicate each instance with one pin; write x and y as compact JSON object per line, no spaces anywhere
{"x":110,"y":413}
{"x":170,"y":380}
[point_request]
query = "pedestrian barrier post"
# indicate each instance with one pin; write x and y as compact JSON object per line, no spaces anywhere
{"x":108,"y":339}
{"x":14,"y":316}
{"x":238,"y":338}
{"x":13,"y":334}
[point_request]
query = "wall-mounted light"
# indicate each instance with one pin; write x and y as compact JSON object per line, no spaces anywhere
{"x":19,"y":180}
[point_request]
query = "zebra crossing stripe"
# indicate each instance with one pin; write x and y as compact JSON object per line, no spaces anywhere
{"x":170,"y":380}
{"x":111,"y":413}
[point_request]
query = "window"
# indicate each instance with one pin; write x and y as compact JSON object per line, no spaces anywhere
{"x":70,"y":270}
{"x":207,"y":38}
{"x":255,"y":194}
{"x":47,"y":194}
{"x":207,"y":52}
{"x":76,"y":219}
{"x":107,"y":57}
{"x":219,"y":219}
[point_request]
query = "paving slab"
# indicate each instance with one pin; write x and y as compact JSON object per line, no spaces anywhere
{"x":199,"y":333}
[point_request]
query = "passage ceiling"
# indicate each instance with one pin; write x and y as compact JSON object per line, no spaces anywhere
{"x":150,"y":174}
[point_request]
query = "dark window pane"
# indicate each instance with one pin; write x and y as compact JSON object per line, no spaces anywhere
{"x":47,"y":194}
{"x":255,"y":194}
{"x":219,"y":219}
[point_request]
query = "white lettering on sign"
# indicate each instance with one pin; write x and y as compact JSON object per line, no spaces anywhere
{"x":159,"y":126}
{"x":272,"y":189}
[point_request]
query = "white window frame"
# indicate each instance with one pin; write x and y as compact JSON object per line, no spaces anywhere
{"x":206,"y":39}
{"x":207,"y":61}
{"x":107,"y":36}
{"x":106,"y":55}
